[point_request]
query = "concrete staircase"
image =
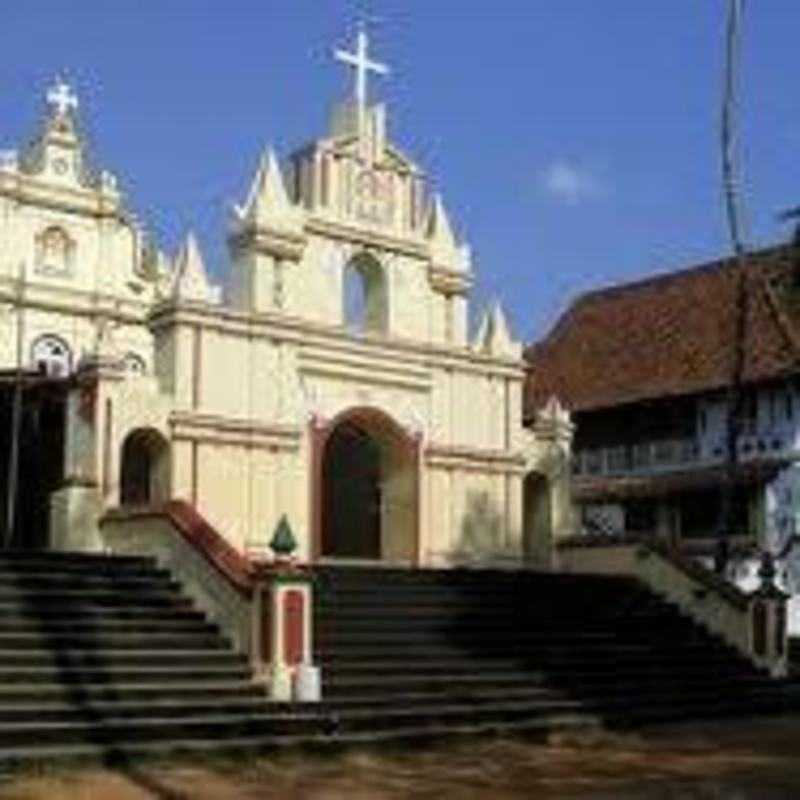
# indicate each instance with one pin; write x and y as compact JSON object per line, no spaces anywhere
{"x":104,"y":657}
{"x":410,"y":654}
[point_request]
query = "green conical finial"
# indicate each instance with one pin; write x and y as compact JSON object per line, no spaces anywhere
{"x":283,"y":542}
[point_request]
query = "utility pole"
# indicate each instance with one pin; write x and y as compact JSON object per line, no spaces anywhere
{"x":731,"y":179}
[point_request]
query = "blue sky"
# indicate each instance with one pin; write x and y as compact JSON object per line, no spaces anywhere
{"x":575,"y":141}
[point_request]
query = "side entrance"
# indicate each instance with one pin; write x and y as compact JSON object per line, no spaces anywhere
{"x":28,"y":476}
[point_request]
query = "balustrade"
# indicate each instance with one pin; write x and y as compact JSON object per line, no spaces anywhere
{"x":671,"y":454}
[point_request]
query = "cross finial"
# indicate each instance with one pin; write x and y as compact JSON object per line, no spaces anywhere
{"x":61,"y":97}
{"x":360,"y":61}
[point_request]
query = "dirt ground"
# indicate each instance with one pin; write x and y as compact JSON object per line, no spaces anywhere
{"x":736,"y":760}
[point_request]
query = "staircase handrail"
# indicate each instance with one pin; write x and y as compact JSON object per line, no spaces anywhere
{"x":232,"y":565}
{"x":754,"y":623}
{"x":693,"y":569}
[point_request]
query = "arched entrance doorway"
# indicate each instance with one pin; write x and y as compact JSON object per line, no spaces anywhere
{"x":367,"y":487}
{"x":144,"y":468}
{"x":537,"y":516}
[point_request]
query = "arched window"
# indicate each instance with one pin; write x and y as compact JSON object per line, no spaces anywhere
{"x":144,"y":468}
{"x":134,"y":364}
{"x":365,"y":301}
{"x":51,"y":356}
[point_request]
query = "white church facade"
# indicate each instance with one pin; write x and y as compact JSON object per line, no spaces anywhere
{"x":333,"y":380}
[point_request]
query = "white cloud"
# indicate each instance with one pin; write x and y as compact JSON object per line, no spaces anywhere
{"x":569,"y":183}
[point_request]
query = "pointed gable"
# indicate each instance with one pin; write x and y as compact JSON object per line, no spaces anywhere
{"x":439,"y":233}
{"x":190,"y":279}
{"x":268,"y":201}
{"x":494,"y":335}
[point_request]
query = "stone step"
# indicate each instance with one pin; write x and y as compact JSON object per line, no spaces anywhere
{"x":96,"y":658}
{"x":55,"y":581}
{"x":70,"y":596}
{"x":520,"y":596}
{"x":86,"y":675}
{"x":109,"y":731}
{"x":440,"y":692}
{"x":479,"y":694}
{"x":336,"y":684}
{"x":490,"y":638}
{"x":652,"y":705}
{"x":18,"y":613}
{"x":631,"y":661}
{"x":59,"y":559}
{"x":121,"y":753}
{"x":352,"y":619}
{"x":144,"y":693}
{"x":337,"y":576}
{"x":75,"y":568}
{"x":88,"y":710}
{"x":353,"y":719}
{"x":534,"y":652}
{"x":92,"y":640}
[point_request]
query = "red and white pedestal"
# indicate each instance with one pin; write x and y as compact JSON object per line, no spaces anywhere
{"x":287,"y":637}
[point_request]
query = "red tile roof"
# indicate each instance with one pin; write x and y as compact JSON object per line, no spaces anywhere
{"x":669,"y":335}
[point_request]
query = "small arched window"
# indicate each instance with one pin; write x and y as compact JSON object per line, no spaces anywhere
{"x":144,"y":468}
{"x":134,"y":364}
{"x":51,"y":356}
{"x":365,"y":301}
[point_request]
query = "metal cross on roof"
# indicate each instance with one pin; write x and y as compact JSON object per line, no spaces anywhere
{"x":362,"y":64}
{"x":61,"y":97}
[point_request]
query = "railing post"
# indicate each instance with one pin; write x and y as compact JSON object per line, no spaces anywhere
{"x":768,"y":620}
{"x":287,"y":612}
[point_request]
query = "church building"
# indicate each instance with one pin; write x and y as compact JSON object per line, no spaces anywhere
{"x":314,"y":484}
{"x":333,"y":379}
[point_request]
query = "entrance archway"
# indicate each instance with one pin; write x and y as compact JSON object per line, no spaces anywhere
{"x":367,"y":489}
{"x":144,"y":468}
{"x":39,"y":466}
{"x":537,"y":516}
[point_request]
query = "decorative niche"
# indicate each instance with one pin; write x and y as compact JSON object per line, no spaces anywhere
{"x":55,"y":253}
